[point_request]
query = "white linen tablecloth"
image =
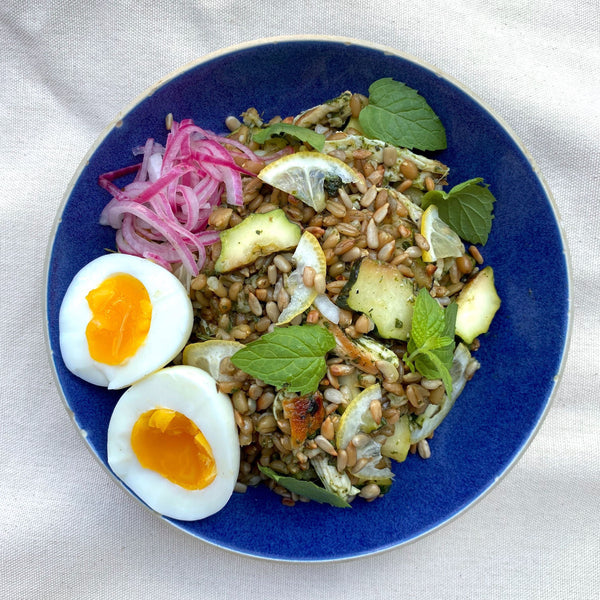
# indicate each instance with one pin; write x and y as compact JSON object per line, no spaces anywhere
{"x":66,"y":530}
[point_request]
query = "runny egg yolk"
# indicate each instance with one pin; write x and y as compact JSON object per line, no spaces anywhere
{"x":170,"y":444}
{"x":122,"y":312}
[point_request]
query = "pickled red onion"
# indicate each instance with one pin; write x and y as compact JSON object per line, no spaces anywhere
{"x":163,"y":213}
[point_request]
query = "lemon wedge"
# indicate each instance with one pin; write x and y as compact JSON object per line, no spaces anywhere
{"x":357,"y":418}
{"x":209,"y":354}
{"x":303,"y":175}
{"x":308,"y":253}
{"x":443,"y":241}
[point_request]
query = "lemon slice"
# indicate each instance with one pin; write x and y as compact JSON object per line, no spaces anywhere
{"x":308,"y":253}
{"x":357,"y":416}
{"x":303,"y":175}
{"x":355,"y":419}
{"x":443,"y":241}
{"x":208,"y":356}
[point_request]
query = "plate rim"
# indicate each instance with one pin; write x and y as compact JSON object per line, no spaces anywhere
{"x":386,"y":50}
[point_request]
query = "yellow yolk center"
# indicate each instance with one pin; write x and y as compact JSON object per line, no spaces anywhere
{"x":168,"y":443}
{"x":122,"y":312}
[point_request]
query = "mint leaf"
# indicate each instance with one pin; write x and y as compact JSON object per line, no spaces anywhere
{"x":397,"y":114}
{"x":428,"y":319}
{"x":431,"y":366}
{"x":308,"y":489}
{"x":466,"y":208}
{"x":316,"y":140}
{"x":431,"y":343}
{"x":288,"y":356}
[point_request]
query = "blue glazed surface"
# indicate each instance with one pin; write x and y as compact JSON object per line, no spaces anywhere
{"x":501,"y":408}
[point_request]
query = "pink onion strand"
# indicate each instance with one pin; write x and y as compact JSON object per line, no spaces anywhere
{"x":163,"y":213}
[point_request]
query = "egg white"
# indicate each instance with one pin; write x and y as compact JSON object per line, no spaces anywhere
{"x":170,"y":327}
{"x":193,"y":393}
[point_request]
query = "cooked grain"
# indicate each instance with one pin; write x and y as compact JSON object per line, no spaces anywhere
{"x":343,"y":246}
{"x":325,"y":445}
{"x":355,"y":105}
{"x":308,"y":276}
{"x":409,"y":169}
{"x":342,"y":461}
{"x":407,"y":183}
{"x":387,"y":251}
{"x":336,"y":269}
{"x":474,"y":252}
{"x":333,"y":395}
{"x":381,"y":213}
{"x":266,"y":424}
{"x":406,"y":271}
{"x":361,"y":463}
{"x":423,"y":449}
{"x":350,"y":455}
{"x":319,"y":283}
{"x":390,"y":156}
{"x":421,"y":242}
{"x":199,"y":282}
{"x":375,"y":410}
{"x":388,"y":370}
{"x":348,"y":229}
{"x":369,"y":491}
{"x":339,"y":370}
{"x":282,"y":263}
{"x":254,"y":304}
{"x":464,"y":264}
{"x":332,"y":239}
{"x":368,"y":197}
{"x":327,"y":430}
{"x":240,"y":402}
{"x":414,"y":395}
{"x":283,"y":299}
{"x":372,"y":235}
{"x":351,"y":255}
{"x":403,"y":231}
{"x":360,"y":439}
{"x":363,"y":324}
{"x":336,"y":209}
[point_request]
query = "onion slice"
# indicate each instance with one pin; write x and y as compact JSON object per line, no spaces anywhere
{"x":163,"y":213}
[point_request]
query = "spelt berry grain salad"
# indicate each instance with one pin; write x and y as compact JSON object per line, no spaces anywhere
{"x":337,"y":280}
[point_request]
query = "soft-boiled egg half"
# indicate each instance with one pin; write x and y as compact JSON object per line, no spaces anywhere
{"x":172,"y":439}
{"x":122,"y":318}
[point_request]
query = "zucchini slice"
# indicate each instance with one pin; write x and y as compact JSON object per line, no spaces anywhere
{"x":381,"y":292}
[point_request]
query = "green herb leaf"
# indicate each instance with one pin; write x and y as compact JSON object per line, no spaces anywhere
{"x":466,"y":208}
{"x":316,"y":140}
{"x":288,"y":356}
{"x":307,"y":489}
{"x":431,"y":343}
{"x":397,"y":114}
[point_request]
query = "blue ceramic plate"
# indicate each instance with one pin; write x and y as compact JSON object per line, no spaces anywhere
{"x":502,"y":407}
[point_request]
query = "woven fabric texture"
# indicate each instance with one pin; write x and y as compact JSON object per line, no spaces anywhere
{"x":66,"y":530}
